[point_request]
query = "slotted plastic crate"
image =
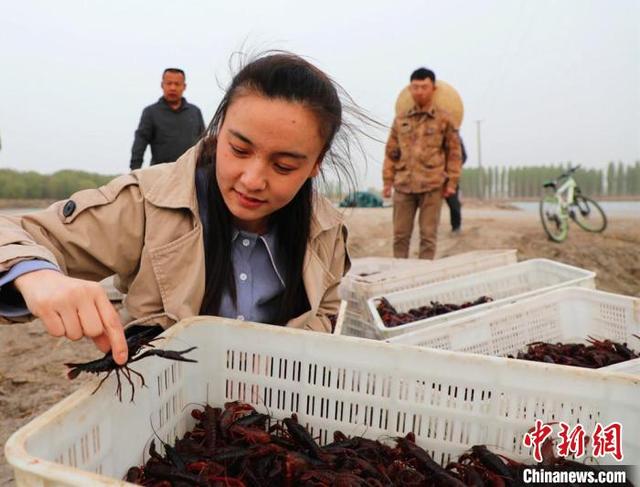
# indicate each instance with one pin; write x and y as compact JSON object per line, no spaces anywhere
{"x":385,"y":275}
{"x":373,"y":276}
{"x":568,"y":315}
{"x":112,"y":293}
{"x":504,"y":284}
{"x":342,"y":310}
{"x":360,"y":387}
{"x":368,"y":267}
{"x":366,"y":272}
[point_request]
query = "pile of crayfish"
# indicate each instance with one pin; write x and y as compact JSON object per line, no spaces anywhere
{"x":237,"y":446}
{"x":391,"y":317}
{"x":600,"y":353}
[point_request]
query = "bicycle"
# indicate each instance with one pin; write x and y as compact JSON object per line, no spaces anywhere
{"x":566,"y":202}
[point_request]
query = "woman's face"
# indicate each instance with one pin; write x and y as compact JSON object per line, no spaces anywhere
{"x":267,"y":149}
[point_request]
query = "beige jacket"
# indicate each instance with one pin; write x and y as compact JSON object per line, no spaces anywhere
{"x":145,"y":228}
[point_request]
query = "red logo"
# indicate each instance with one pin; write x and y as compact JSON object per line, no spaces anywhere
{"x":572,"y":441}
{"x":608,"y":440}
{"x":605,"y":440}
{"x":535,"y":437}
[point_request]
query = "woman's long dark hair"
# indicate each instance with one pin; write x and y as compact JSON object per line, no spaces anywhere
{"x":287,"y":77}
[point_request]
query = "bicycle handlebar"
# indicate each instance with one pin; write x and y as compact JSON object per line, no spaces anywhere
{"x":569,"y":172}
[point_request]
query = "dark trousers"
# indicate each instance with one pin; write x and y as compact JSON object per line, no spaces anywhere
{"x":453,"y":202}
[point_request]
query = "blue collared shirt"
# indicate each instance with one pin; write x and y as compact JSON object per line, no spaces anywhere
{"x":11,"y":302}
{"x":259,"y":283}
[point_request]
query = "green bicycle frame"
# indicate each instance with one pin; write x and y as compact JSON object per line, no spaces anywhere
{"x":565,"y":194}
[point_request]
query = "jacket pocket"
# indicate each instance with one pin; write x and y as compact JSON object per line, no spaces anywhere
{"x":399,"y":165}
{"x":433,"y":136}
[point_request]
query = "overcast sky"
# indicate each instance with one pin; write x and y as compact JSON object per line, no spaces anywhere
{"x":551,"y":80}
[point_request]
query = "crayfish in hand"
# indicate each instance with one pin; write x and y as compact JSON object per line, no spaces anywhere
{"x":137,"y":337}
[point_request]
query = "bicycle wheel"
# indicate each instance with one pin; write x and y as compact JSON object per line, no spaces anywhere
{"x":588,"y":214}
{"x":553,"y":220}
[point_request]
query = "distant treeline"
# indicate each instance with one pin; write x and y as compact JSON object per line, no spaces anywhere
{"x":490,"y":182}
{"x":522,"y":182}
{"x":56,"y":186}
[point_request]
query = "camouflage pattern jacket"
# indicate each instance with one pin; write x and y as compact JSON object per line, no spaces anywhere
{"x":423,"y":152}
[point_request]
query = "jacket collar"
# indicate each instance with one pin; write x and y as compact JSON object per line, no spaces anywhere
{"x":183,"y":104}
{"x":324,"y":216}
{"x":429,"y":110}
{"x":175,"y":188}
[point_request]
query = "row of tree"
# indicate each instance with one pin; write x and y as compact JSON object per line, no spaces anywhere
{"x":491,"y":182}
{"x":522,"y":182}
{"x":56,"y":186}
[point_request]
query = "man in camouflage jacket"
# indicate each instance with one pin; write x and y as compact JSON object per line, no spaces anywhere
{"x":422,"y":164}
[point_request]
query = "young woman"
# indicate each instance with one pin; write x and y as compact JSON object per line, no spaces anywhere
{"x":234,"y":228}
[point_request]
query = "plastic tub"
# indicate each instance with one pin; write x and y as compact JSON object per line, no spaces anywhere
{"x":360,"y":387}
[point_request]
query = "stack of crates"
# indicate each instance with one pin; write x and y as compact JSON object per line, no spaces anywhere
{"x":566,"y":315}
{"x":504,"y":285}
{"x":377,"y":276}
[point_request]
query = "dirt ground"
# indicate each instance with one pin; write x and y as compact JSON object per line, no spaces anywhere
{"x":613,"y":255}
{"x":32,"y":375}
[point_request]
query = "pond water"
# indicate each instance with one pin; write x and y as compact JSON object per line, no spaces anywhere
{"x":622,"y":208}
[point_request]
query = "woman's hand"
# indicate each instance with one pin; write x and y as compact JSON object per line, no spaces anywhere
{"x":74,"y":308}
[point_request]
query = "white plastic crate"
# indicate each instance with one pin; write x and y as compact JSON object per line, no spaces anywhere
{"x":360,"y":387}
{"x":112,"y":293}
{"x":568,"y":315}
{"x":367,"y":270}
{"x":385,"y":274}
{"x":503,"y":284}
{"x":363,"y":267}
{"x":397,"y":275}
{"x":342,"y":311}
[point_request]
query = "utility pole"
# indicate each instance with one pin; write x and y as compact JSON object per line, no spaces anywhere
{"x":478,"y":122}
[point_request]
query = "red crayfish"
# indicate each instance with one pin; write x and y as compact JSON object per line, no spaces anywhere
{"x":391,"y":317}
{"x":236,"y":447}
{"x":599,"y":353}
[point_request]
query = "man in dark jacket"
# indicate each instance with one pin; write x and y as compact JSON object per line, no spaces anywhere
{"x":170,"y":126}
